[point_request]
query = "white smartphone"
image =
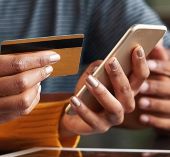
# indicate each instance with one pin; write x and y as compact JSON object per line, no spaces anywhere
{"x":146,"y":36}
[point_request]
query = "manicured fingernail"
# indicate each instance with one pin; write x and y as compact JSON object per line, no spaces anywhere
{"x":39,"y":89}
{"x":144,"y":87}
{"x":54,"y":58}
{"x":92,"y":81}
{"x":140,"y":52}
{"x":49,"y":70}
{"x":144,"y":118}
{"x":152,"y":64}
{"x":144,"y":103}
{"x":113,"y":65}
{"x":75,"y":101}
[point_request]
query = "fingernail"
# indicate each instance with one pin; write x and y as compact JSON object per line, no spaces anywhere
{"x":113,"y":65}
{"x":152,"y":64}
{"x":92,"y":81}
{"x":140,"y":52}
{"x":144,"y":118}
{"x":144,"y":103}
{"x":49,"y":70}
{"x":54,"y":57}
{"x":39,"y":89}
{"x":75,"y":101}
{"x":144,"y":87}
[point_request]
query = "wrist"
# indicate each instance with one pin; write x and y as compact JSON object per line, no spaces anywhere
{"x":64,"y":132}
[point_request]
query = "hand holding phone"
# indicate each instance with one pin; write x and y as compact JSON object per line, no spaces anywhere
{"x":146,"y":36}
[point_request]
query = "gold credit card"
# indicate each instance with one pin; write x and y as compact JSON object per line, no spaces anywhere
{"x":68,"y":46}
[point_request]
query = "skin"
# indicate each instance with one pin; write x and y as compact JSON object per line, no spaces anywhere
{"x":19,"y":90}
{"x":88,"y":121}
{"x":155,"y":94}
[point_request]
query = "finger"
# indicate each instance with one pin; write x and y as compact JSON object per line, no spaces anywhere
{"x":140,"y":70}
{"x":159,"y":52}
{"x":34,"y":103}
{"x":160,"y":67}
{"x":98,"y":124}
{"x":120,"y":84}
{"x":19,"y":103}
{"x":157,"y":88}
{"x":110,"y":104}
{"x":22,"y":62}
{"x":158,"y":122}
{"x":156,"y":105}
{"x":92,"y":67}
{"x":11,"y":115}
{"x":154,"y":76}
{"x":89,"y":71}
{"x":16,"y":84}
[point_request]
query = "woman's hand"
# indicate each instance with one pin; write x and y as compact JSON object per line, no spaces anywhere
{"x":20,"y":77}
{"x":89,"y":121}
{"x":155,"y":92}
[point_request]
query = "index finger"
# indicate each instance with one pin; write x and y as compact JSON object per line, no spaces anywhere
{"x":16,"y":63}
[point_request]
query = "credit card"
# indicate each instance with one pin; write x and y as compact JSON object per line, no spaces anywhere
{"x":69,"y":47}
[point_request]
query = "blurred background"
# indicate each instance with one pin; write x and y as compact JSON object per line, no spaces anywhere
{"x":124,"y":138}
{"x":162,"y":7}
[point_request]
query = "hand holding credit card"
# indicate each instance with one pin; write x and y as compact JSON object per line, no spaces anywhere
{"x":67,"y":46}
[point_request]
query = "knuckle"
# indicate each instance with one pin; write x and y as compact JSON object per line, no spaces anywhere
{"x":125,"y":89}
{"x":18,"y":64}
{"x":147,"y":73}
{"x":152,"y":104}
{"x":144,"y":75}
{"x":154,"y":122}
{"x":119,"y":120}
{"x":154,"y":87}
{"x":43,"y":73}
{"x":118,"y":111}
{"x":30,"y":108}
{"x":83,"y":111}
{"x":101,"y":91}
{"x":43,"y":61}
{"x":23,"y":105}
{"x":130,"y":107}
{"x":116,"y":117}
{"x":95,"y":124}
{"x":21,"y":83}
{"x":116,"y":74}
